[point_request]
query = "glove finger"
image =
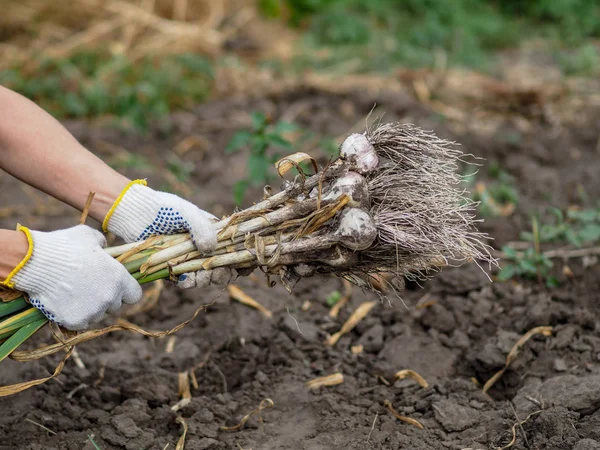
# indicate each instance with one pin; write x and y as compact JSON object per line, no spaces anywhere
{"x":200,"y":279}
{"x":130,"y":289}
{"x":221,"y":276}
{"x":132,"y":292}
{"x":203,"y":278}
{"x":91,"y":236}
{"x":201,"y":228}
{"x":187,"y":281}
{"x":82,"y":322}
{"x":79,"y":326}
{"x":114,"y":306}
{"x":92,"y":319}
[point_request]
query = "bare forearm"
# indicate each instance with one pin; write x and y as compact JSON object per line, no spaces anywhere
{"x":13,"y":248}
{"x":38,"y":150}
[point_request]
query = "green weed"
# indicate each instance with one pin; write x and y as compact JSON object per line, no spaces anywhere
{"x":333,"y":298}
{"x":330,"y":147}
{"x":182,"y":170}
{"x":130,"y":161}
{"x":259,"y":139}
{"x":497,"y":198}
{"x":91,"y":439}
{"x":577,"y":227}
{"x":530,"y":264}
{"x":93,"y":84}
{"x":365,"y":35}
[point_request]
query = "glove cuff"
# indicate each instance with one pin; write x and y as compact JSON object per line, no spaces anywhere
{"x":132,"y":208}
{"x":44,"y":264}
{"x":118,"y":201}
{"x":9,"y":281}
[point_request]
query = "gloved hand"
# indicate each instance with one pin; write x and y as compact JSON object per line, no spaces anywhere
{"x":71,"y":279}
{"x":141,"y":212}
{"x":204,"y":278}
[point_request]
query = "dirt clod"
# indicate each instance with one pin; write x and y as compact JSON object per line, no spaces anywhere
{"x":454,"y":417}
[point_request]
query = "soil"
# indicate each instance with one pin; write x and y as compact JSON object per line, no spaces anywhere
{"x":455,"y":330}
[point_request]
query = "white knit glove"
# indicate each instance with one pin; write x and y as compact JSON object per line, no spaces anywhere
{"x":71,"y":279}
{"x":141,"y":212}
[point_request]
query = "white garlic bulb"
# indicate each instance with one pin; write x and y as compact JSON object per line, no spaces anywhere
{"x":357,"y":230}
{"x":358,"y":149}
{"x":351,"y":184}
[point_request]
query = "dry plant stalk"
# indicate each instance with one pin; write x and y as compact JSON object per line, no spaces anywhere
{"x":85,"y":336}
{"x":357,"y":349}
{"x":358,"y":315}
{"x":181,"y":442}
{"x":183,"y":387}
{"x":48,"y":430}
{"x":327,"y":380}
{"x":287,"y":163}
{"x":236,"y":293}
{"x":405,"y":419}
{"x":513,"y":429}
{"x":86,"y":207}
{"x":170,"y":344}
{"x":20,"y":387}
{"x":138,"y":30}
{"x":265,"y":404}
{"x":514,"y":352}
{"x":407,"y":373}
{"x":7,"y":295}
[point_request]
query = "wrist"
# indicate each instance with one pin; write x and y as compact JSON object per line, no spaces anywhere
{"x":105,"y":198}
{"x":128,"y":206}
{"x":14,"y":246}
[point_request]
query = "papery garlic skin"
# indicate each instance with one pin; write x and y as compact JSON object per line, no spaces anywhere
{"x":358,"y":149}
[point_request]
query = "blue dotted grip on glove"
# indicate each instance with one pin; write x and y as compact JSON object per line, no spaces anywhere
{"x":44,"y":311}
{"x":166,"y":222}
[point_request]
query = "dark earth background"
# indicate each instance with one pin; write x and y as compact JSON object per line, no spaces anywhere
{"x":455,"y":330}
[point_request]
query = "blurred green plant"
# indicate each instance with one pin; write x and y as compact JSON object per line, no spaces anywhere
{"x":569,"y":20}
{"x":584,"y":61}
{"x":333,"y":298}
{"x":130,"y":161}
{"x":380,"y":34}
{"x":259,"y":139}
{"x":330,"y":147}
{"x":530,"y":264}
{"x":93,"y":84}
{"x":181,"y":170}
{"x":578,"y":227}
{"x":497,"y":198}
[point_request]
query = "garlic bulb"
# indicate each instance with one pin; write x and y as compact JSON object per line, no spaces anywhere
{"x":357,"y":230}
{"x":351,"y":184}
{"x":358,"y":149}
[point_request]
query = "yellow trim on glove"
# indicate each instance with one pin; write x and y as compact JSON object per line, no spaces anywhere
{"x":118,"y":200}
{"x":26,"y":258}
